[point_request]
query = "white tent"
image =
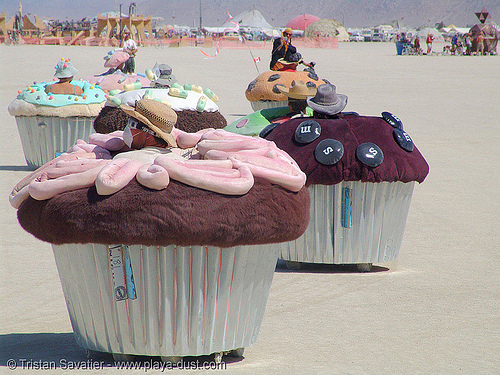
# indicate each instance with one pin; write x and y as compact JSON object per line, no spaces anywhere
{"x":250,"y":18}
{"x":455,"y":30}
{"x":274,"y":33}
{"x":327,"y":28}
{"x":438,"y":37}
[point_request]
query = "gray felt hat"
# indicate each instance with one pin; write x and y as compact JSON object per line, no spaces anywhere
{"x":166,"y":78}
{"x":327,"y":101}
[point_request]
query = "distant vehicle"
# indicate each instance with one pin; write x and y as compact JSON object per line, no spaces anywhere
{"x":356,"y":38}
{"x":367,"y":34}
{"x":381,"y":34}
{"x":376,"y":37}
{"x":247,"y":36}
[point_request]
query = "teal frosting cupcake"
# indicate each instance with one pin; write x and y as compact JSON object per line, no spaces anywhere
{"x":35,"y":94}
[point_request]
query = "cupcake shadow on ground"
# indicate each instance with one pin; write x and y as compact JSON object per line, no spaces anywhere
{"x":60,"y":350}
{"x":282,"y":267}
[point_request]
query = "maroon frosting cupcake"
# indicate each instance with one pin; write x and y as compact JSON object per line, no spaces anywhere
{"x":361,"y":171}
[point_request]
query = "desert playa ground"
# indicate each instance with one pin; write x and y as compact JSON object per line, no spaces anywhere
{"x":435,"y":310}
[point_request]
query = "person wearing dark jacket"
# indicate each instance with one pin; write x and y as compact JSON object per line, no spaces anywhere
{"x":285,"y":56}
{"x":283,"y":49}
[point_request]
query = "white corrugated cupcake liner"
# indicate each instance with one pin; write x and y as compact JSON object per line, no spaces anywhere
{"x":257,"y":106}
{"x":165,"y":301}
{"x":353,"y":223}
{"x":44,"y":138}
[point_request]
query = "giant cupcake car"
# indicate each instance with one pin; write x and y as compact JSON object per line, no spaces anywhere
{"x":114,"y":78}
{"x":50,"y":123}
{"x":196,"y":107}
{"x":361,"y":172}
{"x":296,"y":95}
{"x":264,"y":91}
{"x":168,"y":250}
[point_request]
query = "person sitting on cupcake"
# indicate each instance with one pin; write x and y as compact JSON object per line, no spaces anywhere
{"x":297,"y":95}
{"x":284,"y":55}
{"x":65,"y":72}
{"x":150,"y":125}
{"x":165,"y":79}
{"x":327,"y":104}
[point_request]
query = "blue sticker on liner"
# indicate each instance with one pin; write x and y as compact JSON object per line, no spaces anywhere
{"x":129,"y":274}
{"x":392,"y":120}
{"x":370,"y":154}
{"x":329,"y":151}
{"x":307,"y":131}
{"x":403,"y":139}
{"x":346,"y":219}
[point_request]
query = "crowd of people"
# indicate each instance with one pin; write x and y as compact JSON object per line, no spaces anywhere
{"x":460,"y":44}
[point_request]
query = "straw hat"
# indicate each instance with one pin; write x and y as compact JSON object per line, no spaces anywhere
{"x":327,"y":101}
{"x":65,"y":69}
{"x":157,"y":116}
{"x":298,"y":90}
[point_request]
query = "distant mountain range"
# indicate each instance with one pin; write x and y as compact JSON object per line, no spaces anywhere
{"x":352,"y":13}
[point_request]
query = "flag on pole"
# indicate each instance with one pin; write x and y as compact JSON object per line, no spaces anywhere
{"x":257,"y":59}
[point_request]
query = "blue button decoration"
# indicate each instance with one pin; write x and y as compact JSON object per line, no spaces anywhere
{"x":251,"y":85}
{"x":329,"y":151}
{"x":403,"y":139}
{"x":313,"y":76}
{"x":268,"y":129}
{"x":370,"y":154}
{"x":307,"y":131}
{"x":276,"y":90}
{"x":273,"y":77}
{"x":392,"y":120}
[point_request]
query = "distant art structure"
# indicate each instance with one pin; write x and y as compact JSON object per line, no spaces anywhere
{"x":490,"y":33}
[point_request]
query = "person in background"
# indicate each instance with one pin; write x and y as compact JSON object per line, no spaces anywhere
{"x":429,"y":40}
{"x":480,"y":44}
{"x":130,"y":47}
{"x":468,"y":44}
{"x":454,"y":44}
{"x":65,"y":72}
{"x":297,"y":95}
{"x":416,"y":46}
{"x":284,"y":55}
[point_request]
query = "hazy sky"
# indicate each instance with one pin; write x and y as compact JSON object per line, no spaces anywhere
{"x":353,"y":13}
